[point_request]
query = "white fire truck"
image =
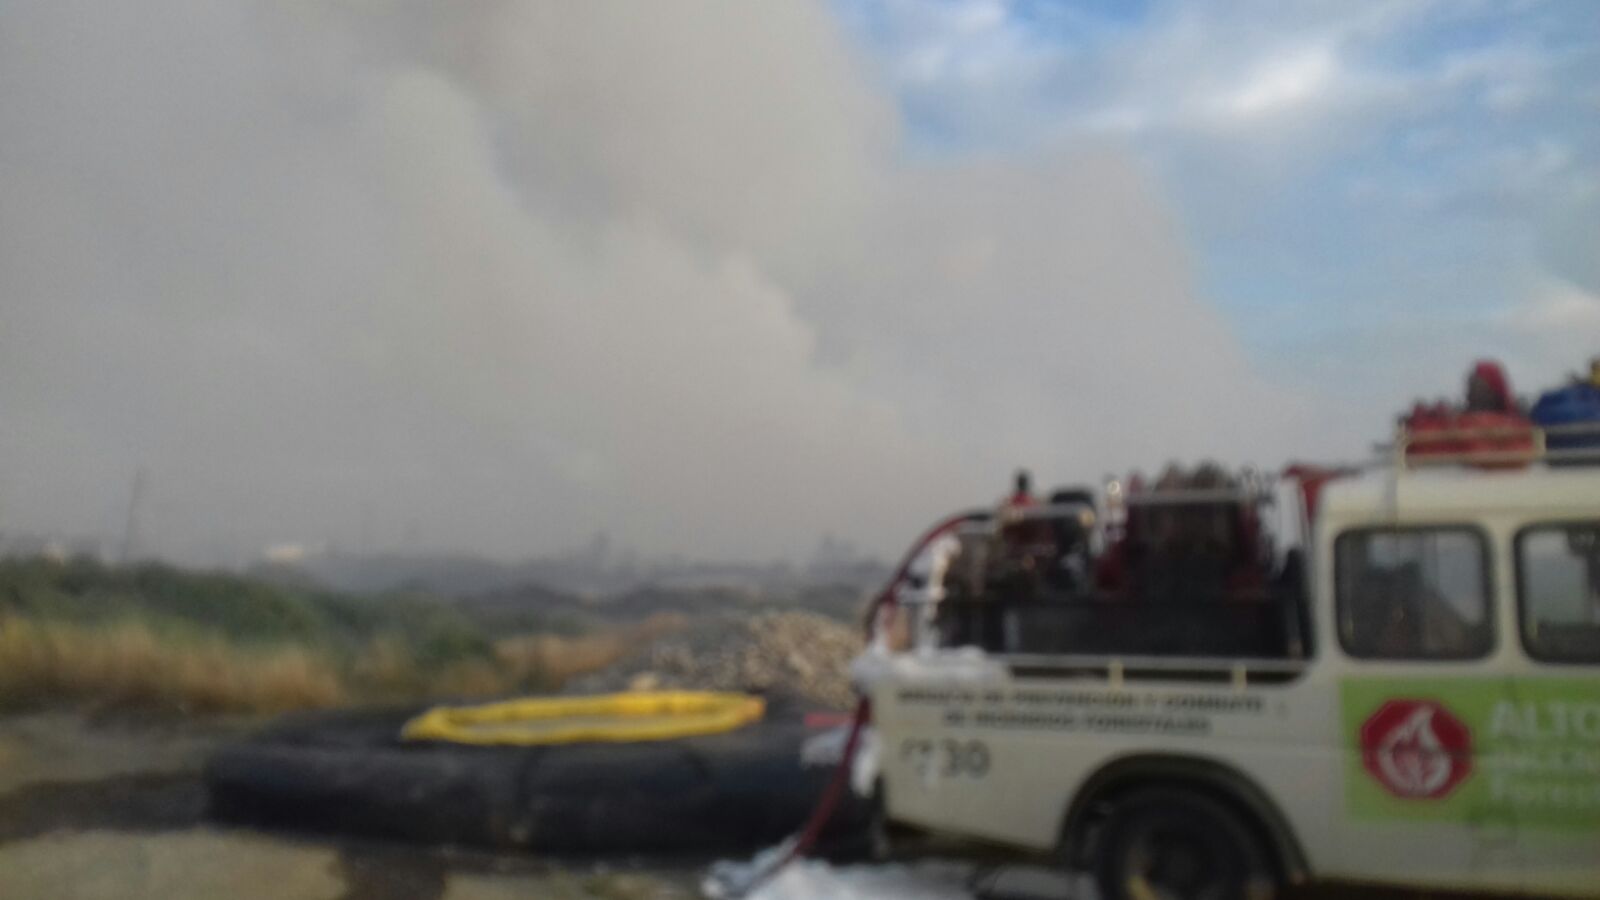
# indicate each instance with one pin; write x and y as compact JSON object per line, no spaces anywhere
{"x":1138,"y":680}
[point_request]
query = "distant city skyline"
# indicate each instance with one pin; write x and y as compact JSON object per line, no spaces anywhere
{"x":828,"y":551}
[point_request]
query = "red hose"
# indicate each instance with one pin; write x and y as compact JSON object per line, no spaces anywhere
{"x":825,"y":806}
{"x":841,"y":774}
{"x":886,"y":596}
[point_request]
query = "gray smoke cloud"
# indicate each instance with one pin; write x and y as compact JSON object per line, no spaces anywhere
{"x":502,"y":274}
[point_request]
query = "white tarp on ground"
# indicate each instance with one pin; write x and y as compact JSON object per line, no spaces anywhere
{"x":809,"y":879}
{"x":933,"y":879}
{"x":812,"y":880}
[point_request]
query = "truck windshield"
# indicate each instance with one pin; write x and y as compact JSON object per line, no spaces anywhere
{"x":1558,"y":586}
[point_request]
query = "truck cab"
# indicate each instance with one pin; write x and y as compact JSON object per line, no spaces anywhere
{"x":1404,"y":690}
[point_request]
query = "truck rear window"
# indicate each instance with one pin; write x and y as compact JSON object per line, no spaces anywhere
{"x":1413,"y":593}
{"x":1558,"y":590}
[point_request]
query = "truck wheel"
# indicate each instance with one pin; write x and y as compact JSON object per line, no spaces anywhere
{"x":1176,"y":844}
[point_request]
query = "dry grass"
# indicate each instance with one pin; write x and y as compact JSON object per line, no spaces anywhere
{"x":386,"y":668}
{"x":476,"y":678}
{"x":556,"y":659}
{"x":559,"y":658}
{"x":129,"y":665}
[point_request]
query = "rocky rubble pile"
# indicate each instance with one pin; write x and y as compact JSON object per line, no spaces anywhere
{"x":793,"y":654}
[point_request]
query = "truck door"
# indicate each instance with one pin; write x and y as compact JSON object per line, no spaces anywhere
{"x":1550,"y":731}
{"x":1415,"y":616}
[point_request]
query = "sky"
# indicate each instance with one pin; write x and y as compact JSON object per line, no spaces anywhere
{"x":719,"y":277}
{"x":1348,"y":174}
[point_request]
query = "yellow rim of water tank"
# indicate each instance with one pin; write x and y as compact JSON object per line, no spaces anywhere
{"x":625,"y":717}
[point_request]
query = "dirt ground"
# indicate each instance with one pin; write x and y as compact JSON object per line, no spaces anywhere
{"x":115,"y":808}
{"x":95,"y":808}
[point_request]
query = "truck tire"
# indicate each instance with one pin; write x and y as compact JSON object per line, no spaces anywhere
{"x":1177,"y":844}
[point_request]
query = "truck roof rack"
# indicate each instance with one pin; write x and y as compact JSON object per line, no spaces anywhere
{"x":1194,"y":496}
{"x":1539,"y":439}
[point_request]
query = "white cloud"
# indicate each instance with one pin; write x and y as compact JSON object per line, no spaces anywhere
{"x":1285,"y":83}
{"x":967,"y":41}
{"x":1543,"y":337}
{"x":1558,"y":312}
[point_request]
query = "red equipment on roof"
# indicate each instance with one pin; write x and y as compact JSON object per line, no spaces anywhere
{"x":1489,"y":432}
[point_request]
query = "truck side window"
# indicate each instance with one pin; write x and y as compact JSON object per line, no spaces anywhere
{"x":1558,"y":591}
{"x":1413,"y":593}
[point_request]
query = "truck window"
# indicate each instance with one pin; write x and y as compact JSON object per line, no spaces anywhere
{"x":1558,"y":591}
{"x":1413,"y":593}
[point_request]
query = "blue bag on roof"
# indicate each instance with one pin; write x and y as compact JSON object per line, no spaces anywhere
{"x":1578,"y":404}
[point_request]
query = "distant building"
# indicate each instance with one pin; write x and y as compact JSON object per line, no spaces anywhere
{"x":60,"y":548}
{"x":291,"y":553}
